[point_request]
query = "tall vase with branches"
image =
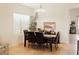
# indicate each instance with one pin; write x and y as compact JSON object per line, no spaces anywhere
{"x":33,"y":22}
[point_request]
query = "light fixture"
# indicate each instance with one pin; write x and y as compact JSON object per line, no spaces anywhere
{"x":41,"y":9}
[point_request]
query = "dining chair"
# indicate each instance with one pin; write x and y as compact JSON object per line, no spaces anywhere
{"x":56,"y":40}
{"x":40,"y":38}
{"x":31,"y":38}
{"x":25,"y":36}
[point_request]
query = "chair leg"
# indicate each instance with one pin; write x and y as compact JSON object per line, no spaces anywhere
{"x":50,"y":46}
{"x":28,"y":45}
{"x":24,"y":42}
{"x":56,"y":46}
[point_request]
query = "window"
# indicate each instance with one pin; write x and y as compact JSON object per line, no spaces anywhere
{"x":21,"y":22}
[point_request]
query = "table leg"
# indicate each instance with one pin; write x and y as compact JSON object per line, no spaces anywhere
{"x":50,"y":44}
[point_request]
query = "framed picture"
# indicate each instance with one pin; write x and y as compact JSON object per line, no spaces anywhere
{"x":49,"y":26}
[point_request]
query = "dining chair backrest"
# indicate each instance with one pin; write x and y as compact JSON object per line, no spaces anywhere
{"x":39,"y":37}
{"x":57,"y":38}
{"x":31,"y":37}
{"x":25,"y":34}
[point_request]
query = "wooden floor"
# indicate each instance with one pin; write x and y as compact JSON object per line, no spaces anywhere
{"x":64,"y":49}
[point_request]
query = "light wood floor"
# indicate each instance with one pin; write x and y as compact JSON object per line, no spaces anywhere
{"x":64,"y":49}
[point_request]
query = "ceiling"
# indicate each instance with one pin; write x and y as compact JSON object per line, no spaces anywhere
{"x":51,"y":5}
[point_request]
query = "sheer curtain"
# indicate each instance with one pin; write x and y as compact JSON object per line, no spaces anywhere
{"x":21,"y":22}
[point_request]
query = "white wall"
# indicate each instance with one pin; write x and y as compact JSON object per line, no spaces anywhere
{"x":6,"y":21}
{"x":57,"y":14}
